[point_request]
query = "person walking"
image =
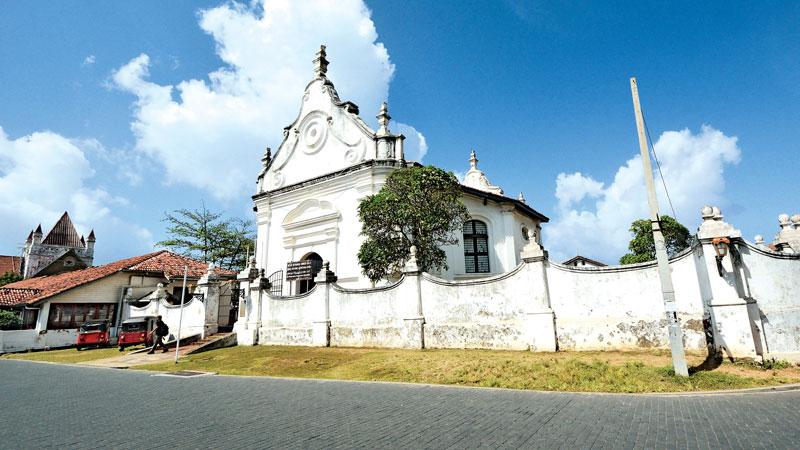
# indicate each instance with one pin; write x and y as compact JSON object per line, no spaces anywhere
{"x":160,"y":331}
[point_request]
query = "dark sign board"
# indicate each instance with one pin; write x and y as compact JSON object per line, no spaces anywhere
{"x":299,"y":270}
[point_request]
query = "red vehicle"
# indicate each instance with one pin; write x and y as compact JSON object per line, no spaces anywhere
{"x":93,"y":333}
{"x":136,"y":331}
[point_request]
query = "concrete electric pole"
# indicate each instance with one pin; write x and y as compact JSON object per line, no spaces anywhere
{"x":667,"y":291}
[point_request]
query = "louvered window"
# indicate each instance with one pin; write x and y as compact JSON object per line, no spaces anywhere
{"x":476,"y":247}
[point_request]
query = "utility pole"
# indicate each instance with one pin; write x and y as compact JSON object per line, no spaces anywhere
{"x":667,"y":291}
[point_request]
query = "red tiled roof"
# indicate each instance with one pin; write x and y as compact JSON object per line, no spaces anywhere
{"x":172,"y":264}
{"x":63,"y":233}
{"x":164,"y":262}
{"x":14,"y":296}
{"x":10,"y":264}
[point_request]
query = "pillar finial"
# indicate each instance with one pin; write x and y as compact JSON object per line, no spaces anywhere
{"x":383,"y":119}
{"x":473,"y":159}
{"x":320,"y":63}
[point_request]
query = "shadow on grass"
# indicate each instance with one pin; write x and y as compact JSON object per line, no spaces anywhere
{"x":712,"y":361}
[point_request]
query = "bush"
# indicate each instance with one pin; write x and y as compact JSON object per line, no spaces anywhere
{"x":9,"y":320}
{"x":770,"y":364}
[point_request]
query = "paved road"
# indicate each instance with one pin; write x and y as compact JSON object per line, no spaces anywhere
{"x":67,"y":406}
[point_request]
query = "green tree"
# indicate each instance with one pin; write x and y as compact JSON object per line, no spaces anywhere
{"x":642,"y":246}
{"x":9,"y":320}
{"x":9,"y":277}
{"x":418,"y":206}
{"x":209,"y":237}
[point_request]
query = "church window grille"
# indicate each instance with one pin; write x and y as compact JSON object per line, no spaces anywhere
{"x":476,"y":247}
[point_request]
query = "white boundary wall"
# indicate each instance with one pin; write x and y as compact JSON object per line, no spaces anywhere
{"x":750,"y":311}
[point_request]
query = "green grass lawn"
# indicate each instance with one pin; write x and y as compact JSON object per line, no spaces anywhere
{"x":68,"y":355}
{"x":641,"y":371}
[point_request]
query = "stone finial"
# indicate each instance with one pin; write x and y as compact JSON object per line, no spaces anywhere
{"x":476,"y":179}
{"x":320,"y":63}
{"x":796,"y":221}
{"x":411,"y":263}
{"x":325,"y":275}
{"x":383,"y":119}
{"x":210,"y":269}
{"x":784,"y":221}
{"x":532,"y":251}
{"x":714,"y":226}
{"x":707,"y":212}
{"x":267,"y":158}
{"x":759,"y":239}
{"x":521,"y":197}
{"x":159,"y":293}
{"x":473,"y":160}
{"x":252,"y":262}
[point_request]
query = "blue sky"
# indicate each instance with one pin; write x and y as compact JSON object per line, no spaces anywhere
{"x":540,"y":91}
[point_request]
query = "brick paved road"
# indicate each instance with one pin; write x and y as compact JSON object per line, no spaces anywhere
{"x":50,"y":405}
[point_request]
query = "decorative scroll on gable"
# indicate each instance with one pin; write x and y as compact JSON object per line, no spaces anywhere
{"x":327,"y":136}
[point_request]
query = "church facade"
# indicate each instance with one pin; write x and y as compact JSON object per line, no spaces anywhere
{"x":308,"y":195}
{"x":61,"y":250}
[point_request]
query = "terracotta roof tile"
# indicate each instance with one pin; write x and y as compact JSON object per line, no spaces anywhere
{"x":164,"y":262}
{"x":10,"y":264}
{"x":14,"y":296}
{"x":63,"y":233}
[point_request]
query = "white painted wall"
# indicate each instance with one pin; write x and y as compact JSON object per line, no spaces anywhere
{"x":610,"y":308}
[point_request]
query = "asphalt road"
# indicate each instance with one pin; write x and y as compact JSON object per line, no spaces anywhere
{"x":45,"y":405}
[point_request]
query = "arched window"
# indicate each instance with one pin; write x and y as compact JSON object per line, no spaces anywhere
{"x":304,"y":286}
{"x":476,"y":247}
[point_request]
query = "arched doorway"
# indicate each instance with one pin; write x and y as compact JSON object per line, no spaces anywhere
{"x":304,"y":286}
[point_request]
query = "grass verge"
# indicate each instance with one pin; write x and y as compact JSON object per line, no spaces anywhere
{"x":67,"y":355}
{"x":641,"y":371}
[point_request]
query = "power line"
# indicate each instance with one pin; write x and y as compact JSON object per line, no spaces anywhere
{"x":658,"y":165}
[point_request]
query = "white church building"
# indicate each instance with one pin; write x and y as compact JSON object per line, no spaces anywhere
{"x":308,"y":195}
{"x":500,"y":290}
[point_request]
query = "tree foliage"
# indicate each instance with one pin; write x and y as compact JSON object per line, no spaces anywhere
{"x":9,"y":277}
{"x":9,"y":320}
{"x":209,"y":237}
{"x":418,"y":206}
{"x":642,"y":246}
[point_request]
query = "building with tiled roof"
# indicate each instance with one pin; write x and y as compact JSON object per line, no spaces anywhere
{"x":10,"y":264}
{"x":163,"y":264}
{"x":56,"y":305}
{"x":61,"y":250}
{"x":582,"y":261}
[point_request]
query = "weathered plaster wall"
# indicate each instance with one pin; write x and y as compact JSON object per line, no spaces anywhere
{"x":540,"y":303}
{"x":489,"y":313}
{"x":289,"y":320}
{"x":21,"y":340}
{"x":370,"y":317}
{"x":191,"y":324}
{"x":622,"y":307}
{"x":773,"y":282}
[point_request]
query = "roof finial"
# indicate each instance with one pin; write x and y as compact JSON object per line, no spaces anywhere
{"x":267,"y":157}
{"x":383,"y":119}
{"x":320,"y":63}
{"x":473,"y":160}
{"x":521,"y":197}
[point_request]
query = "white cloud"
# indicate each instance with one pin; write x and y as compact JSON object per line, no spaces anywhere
{"x":89,"y":60}
{"x":44,"y":174}
{"x":693,"y":167}
{"x":211,"y":133}
{"x":414,"y":147}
